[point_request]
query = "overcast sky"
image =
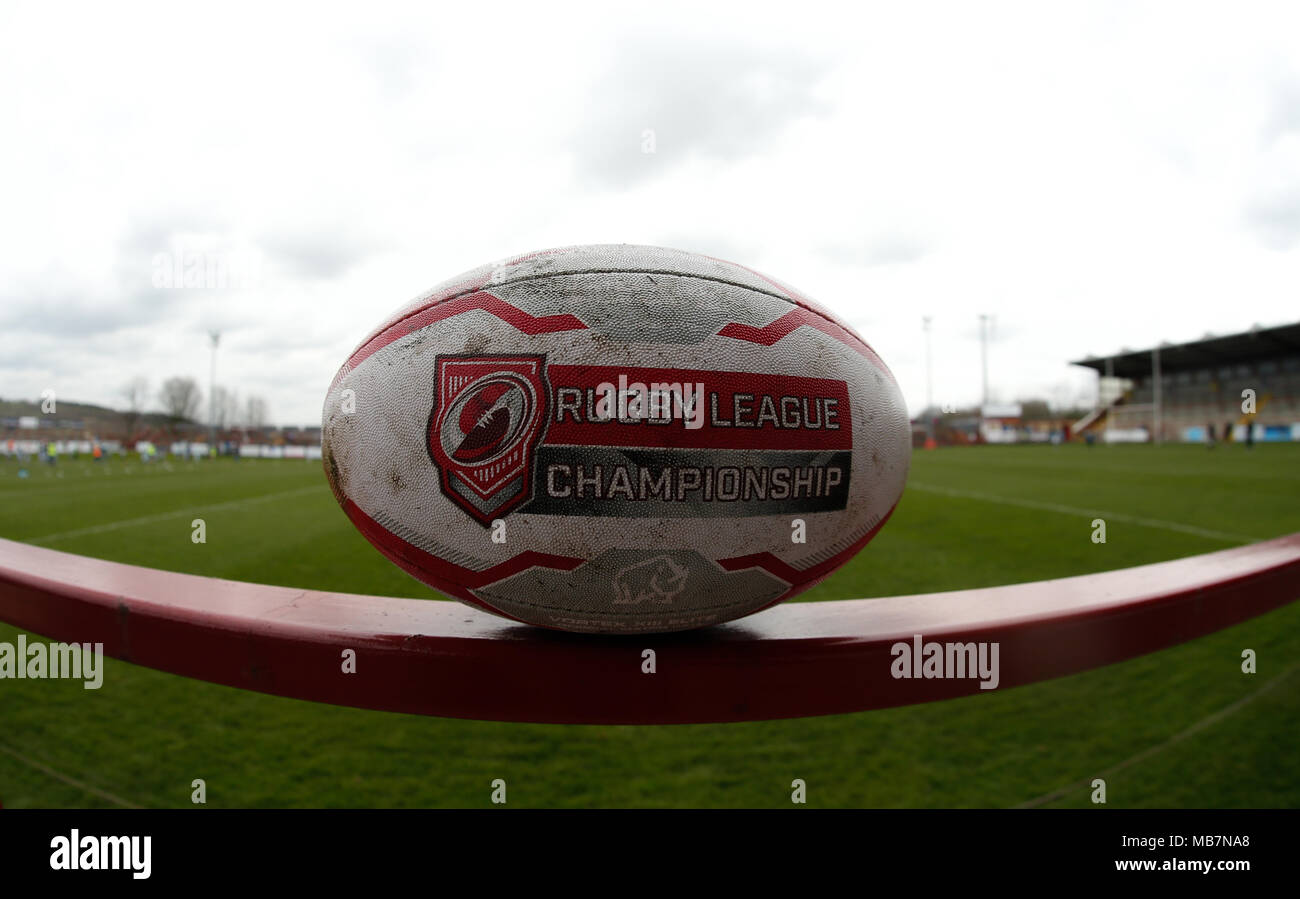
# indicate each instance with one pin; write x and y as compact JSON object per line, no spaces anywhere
{"x":1095,"y":176}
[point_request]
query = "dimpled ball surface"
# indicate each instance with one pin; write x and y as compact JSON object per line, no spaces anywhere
{"x":616,"y":439}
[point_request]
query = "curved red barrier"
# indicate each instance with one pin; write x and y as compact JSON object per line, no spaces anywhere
{"x":442,"y":658}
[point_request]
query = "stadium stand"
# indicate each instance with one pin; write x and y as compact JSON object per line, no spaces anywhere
{"x":1200,"y":385}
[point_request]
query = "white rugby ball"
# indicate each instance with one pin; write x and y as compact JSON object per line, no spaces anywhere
{"x":616,"y":439}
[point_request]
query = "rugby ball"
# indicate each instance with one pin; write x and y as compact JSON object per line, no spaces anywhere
{"x":616,"y":439}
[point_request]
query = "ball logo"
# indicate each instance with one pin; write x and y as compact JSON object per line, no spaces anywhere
{"x":487,"y":418}
{"x":658,"y":580}
{"x":487,"y":415}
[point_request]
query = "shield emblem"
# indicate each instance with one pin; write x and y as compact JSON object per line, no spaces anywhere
{"x":488,"y":414}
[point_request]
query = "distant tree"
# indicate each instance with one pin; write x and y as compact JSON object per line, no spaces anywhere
{"x":255,"y":414}
{"x":1035,"y":410}
{"x":180,"y":399}
{"x":136,"y":394}
{"x":225,"y":407}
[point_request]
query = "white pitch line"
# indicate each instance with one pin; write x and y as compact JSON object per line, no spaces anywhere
{"x":195,"y":510}
{"x":1212,"y":718}
{"x":70,"y":781}
{"x":1089,"y":513}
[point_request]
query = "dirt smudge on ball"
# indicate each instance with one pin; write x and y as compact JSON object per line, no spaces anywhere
{"x":477,"y":343}
{"x":337,"y":477}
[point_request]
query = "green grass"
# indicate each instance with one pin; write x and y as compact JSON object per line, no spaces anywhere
{"x":971,"y":517}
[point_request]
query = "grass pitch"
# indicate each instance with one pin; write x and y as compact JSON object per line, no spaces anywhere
{"x":1183,"y":727}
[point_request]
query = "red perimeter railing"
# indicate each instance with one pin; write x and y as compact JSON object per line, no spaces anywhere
{"x":442,"y":658}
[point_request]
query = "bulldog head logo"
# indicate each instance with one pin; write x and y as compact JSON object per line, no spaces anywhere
{"x":487,"y":416}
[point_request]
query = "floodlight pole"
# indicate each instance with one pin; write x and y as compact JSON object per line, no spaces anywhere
{"x":929,"y":383}
{"x":929,"y":368}
{"x":212,"y":394}
{"x":984,"y":357}
{"x":1155,"y":394}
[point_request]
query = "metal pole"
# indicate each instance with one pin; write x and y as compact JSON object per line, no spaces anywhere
{"x":1155,"y":376}
{"x":984,"y":358}
{"x":929,"y":369}
{"x":1110,"y":387}
{"x":212,"y":394}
